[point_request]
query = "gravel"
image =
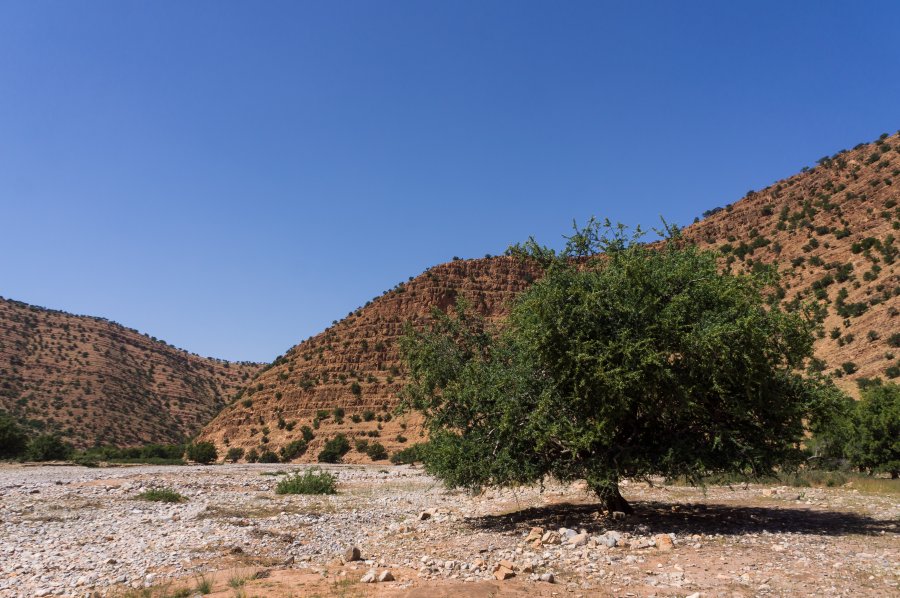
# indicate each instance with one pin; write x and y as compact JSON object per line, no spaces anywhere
{"x":72,"y":531}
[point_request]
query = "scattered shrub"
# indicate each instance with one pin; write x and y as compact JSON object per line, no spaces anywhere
{"x":267,"y":456}
{"x":202,"y":452}
{"x":234,"y":454}
{"x":409,"y":455}
{"x":161,"y":495}
{"x":314,"y":481}
{"x":292,"y":450}
{"x":334,"y":450}
{"x":13,"y":440}
{"x":307,"y":433}
{"x":47,"y":447}
{"x":376,"y":452}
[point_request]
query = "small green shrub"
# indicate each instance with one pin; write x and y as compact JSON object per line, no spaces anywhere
{"x":292,"y":450}
{"x":313,"y":481}
{"x":47,"y":447}
{"x":334,"y":449}
{"x":267,"y":456}
{"x":409,"y":455}
{"x":202,"y":452}
{"x":234,"y":454}
{"x":252,"y":456}
{"x":161,"y":495}
{"x":376,"y":452}
{"x":13,"y":439}
{"x":307,"y":433}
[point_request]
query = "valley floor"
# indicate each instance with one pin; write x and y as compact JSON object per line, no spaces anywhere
{"x":71,"y":531}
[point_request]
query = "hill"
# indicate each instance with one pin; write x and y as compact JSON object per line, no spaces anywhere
{"x":98,"y":382}
{"x":832,"y":230}
{"x":829,"y":229}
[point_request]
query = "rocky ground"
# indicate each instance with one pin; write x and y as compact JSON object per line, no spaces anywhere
{"x":72,"y":531}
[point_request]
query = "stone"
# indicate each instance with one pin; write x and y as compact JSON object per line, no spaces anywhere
{"x":618,"y":515}
{"x":548,"y":578}
{"x":578,"y":540}
{"x":352,"y":554}
{"x":502,"y":573}
{"x":424,"y":515}
{"x":369,"y":577}
{"x":551,"y":537}
{"x":664,"y":542}
{"x":386,"y":575}
{"x":535,"y":534}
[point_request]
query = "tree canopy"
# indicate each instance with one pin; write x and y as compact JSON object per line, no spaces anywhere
{"x":623,"y":360}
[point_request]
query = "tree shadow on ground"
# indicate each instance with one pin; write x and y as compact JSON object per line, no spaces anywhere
{"x":654,"y":517}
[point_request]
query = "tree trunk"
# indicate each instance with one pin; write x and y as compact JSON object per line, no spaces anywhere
{"x":609,"y":494}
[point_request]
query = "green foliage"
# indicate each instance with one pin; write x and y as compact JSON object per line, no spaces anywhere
{"x":876,"y":445}
{"x":47,"y":447}
{"x":252,"y":456}
{"x":234,"y":454}
{"x":161,"y":495}
{"x":409,"y":455}
{"x":313,"y":481}
{"x":640,"y":362}
{"x":307,"y":433}
{"x":292,"y":450}
{"x":334,"y":449}
{"x":369,"y":415}
{"x":13,"y":439}
{"x":267,"y":456}
{"x":376,"y":452}
{"x":202,"y":452}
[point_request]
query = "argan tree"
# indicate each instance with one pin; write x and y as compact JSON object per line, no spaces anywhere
{"x":623,"y":360}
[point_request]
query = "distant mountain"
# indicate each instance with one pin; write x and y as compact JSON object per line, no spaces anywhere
{"x":98,"y":382}
{"x":830,"y":229}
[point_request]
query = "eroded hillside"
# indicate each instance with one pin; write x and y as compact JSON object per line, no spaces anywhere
{"x":98,"y":382}
{"x":830,"y":229}
{"x":355,"y":364}
{"x":833,"y":233}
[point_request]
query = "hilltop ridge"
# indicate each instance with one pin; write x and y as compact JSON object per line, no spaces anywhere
{"x":98,"y":382}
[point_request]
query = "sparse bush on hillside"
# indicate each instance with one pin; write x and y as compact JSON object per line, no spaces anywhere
{"x":307,"y":433}
{"x":334,"y":449}
{"x":13,"y":439}
{"x":202,"y":452}
{"x":409,"y":455}
{"x":292,"y":450}
{"x":376,"y":452}
{"x":268,"y":456}
{"x":234,"y":454}
{"x":252,"y":456}
{"x":47,"y":447}
{"x":369,"y":415}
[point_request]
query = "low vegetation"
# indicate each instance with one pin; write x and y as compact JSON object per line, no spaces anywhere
{"x":313,"y":481}
{"x":161,"y":495}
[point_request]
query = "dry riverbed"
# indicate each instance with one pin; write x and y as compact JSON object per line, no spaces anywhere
{"x":72,"y":531}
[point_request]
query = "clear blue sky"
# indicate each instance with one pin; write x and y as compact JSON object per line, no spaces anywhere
{"x":231,"y":177}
